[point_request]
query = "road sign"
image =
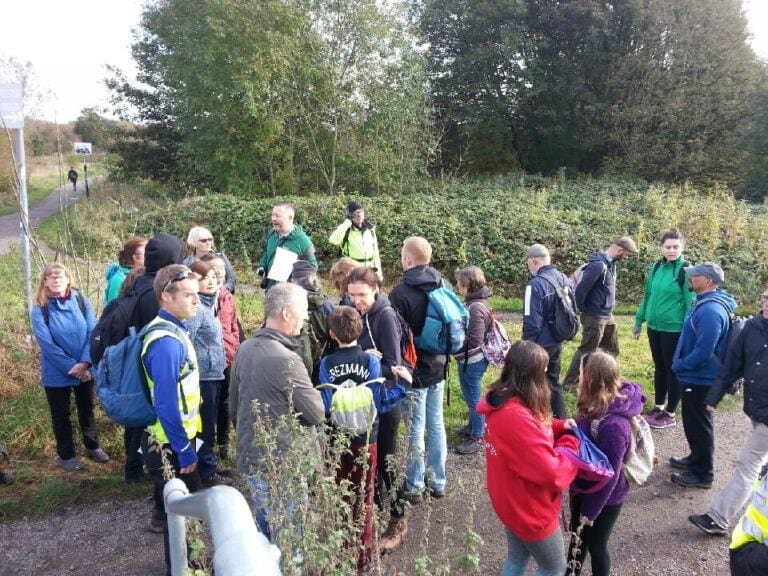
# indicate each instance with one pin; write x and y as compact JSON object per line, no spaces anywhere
{"x":83,"y":148}
{"x":11,"y":107}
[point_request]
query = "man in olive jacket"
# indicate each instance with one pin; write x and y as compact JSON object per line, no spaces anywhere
{"x":268,"y":369}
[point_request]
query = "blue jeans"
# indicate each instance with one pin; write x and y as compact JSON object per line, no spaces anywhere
{"x":471,"y":380}
{"x":548,"y":553}
{"x":424,"y":409}
{"x":261,"y":496}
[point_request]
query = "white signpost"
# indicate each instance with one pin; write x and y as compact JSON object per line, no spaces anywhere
{"x":12,"y":118}
{"x":85,"y":149}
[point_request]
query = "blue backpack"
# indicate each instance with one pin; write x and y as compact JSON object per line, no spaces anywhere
{"x":594,"y":468}
{"x":121,"y":382}
{"x":445,"y":325}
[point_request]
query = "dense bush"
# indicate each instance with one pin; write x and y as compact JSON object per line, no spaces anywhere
{"x":490,"y":222}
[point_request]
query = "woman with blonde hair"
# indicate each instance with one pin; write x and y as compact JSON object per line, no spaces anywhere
{"x":200,"y":243}
{"x":62,"y":320}
{"x":604,"y":407}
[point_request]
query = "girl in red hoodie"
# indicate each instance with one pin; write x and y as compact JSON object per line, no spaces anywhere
{"x":527,"y":474}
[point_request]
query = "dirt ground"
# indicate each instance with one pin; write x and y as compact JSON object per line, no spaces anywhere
{"x":652,"y":537}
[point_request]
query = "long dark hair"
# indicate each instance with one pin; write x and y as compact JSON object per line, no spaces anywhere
{"x":524,"y":377}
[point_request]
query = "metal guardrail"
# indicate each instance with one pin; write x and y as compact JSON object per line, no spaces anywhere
{"x":239,"y":548}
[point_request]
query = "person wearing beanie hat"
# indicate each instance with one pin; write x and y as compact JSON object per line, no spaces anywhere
{"x":356,"y":238}
{"x":595,"y":292}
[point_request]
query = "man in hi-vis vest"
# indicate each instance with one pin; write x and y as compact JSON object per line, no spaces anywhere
{"x":170,"y":366}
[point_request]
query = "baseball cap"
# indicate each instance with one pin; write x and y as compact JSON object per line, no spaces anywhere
{"x":707,"y":269}
{"x":626,"y":243}
{"x":537,"y":251}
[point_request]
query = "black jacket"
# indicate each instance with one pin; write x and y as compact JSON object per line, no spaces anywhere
{"x":747,"y":357}
{"x":381,"y":331}
{"x":410,"y":299}
{"x":160,"y":251}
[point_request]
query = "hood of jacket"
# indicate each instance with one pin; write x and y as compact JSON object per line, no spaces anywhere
{"x":113,"y":269}
{"x":629,"y":402}
{"x":424,"y":278}
{"x":720,"y":295}
{"x":483,"y":293}
{"x":291,"y":343}
{"x":161,"y":251}
{"x":601,"y":256}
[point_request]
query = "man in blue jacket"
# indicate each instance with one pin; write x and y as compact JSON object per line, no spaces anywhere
{"x":170,"y":366}
{"x":539,"y":302}
{"x":697,"y":362}
{"x":595,"y":298}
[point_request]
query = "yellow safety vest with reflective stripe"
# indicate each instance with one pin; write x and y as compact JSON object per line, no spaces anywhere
{"x":189,"y":382}
{"x":753,"y":526}
{"x":359,"y":245}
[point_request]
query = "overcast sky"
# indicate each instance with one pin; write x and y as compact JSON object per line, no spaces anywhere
{"x":69,"y":43}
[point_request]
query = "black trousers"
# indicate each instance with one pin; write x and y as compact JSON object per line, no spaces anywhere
{"x":594,"y":538}
{"x":750,"y":560}
{"x":134,"y":461}
{"x":222,"y":416}
{"x":557,"y":400}
{"x":386,"y":467}
{"x":699,"y":430}
{"x":153,"y":458}
{"x":58,"y":402}
{"x":666,"y":386}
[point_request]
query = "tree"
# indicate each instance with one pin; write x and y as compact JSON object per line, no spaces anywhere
{"x":265,"y":96}
{"x":95,"y":129}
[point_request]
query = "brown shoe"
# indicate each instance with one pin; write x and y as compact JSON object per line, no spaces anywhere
{"x":393,"y":535}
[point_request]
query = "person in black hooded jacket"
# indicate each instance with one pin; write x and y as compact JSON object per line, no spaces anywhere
{"x":425,"y":398}
{"x":160,"y":251}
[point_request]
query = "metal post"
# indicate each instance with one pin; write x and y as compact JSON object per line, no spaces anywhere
{"x":26,"y":265}
{"x":85,"y":169}
{"x":239,"y":548}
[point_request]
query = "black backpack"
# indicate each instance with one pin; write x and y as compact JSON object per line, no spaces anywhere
{"x":115,"y":322}
{"x":566,"y":324}
{"x":681,"y":275}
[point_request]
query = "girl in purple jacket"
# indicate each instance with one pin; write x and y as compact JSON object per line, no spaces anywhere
{"x":604,"y":407}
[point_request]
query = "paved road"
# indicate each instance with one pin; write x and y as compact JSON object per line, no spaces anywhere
{"x":9,"y":225}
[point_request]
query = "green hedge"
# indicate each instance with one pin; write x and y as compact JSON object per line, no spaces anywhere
{"x":484,"y":222}
{"x":490,"y":222}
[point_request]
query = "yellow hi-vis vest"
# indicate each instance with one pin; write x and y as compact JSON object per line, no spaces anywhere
{"x":189,"y":382}
{"x":753,"y":526}
{"x":361,"y":246}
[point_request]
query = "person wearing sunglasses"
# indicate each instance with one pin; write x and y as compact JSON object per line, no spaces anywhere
{"x":171,"y":367}
{"x":200,"y":243}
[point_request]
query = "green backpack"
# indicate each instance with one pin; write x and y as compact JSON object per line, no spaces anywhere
{"x":352,"y":407}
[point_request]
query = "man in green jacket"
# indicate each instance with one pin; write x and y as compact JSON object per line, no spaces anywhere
{"x":285,"y":236}
{"x":356,"y":238}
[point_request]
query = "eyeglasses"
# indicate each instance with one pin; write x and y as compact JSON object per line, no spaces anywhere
{"x":181,"y":275}
{"x":206,"y":240}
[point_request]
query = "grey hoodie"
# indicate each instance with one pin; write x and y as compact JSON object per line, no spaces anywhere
{"x":268,"y":369}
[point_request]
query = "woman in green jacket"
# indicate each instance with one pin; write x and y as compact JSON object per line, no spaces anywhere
{"x":665,"y":304}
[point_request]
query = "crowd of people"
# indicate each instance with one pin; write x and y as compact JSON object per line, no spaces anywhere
{"x":203,"y":376}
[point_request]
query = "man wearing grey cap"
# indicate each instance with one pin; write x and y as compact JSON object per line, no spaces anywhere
{"x":596,"y":297}
{"x":539,"y":302}
{"x":697,"y":362}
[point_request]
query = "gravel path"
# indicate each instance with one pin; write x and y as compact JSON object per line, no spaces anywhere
{"x":652,"y":536}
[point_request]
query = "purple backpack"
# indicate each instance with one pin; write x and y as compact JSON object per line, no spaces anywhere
{"x":594,"y":468}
